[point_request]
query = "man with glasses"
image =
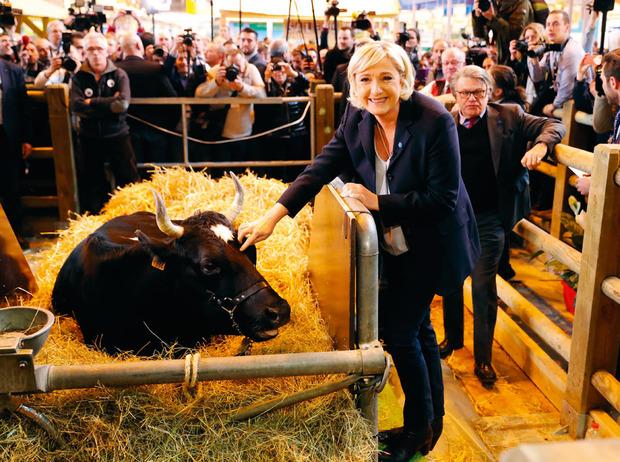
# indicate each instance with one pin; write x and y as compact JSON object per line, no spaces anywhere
{"x":557,"y":67}
{"x":100,"y":96}
{"x":452,"y":60}
{"x":494,"y":162}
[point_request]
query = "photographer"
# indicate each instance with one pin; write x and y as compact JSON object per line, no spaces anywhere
{"x":235,"y":77}
{"x":291,"y":143}
{"x":54,"y":35}
{"x":62,"y":64}
{"x":555,"y":64}
{"x":30,"y":62}
{"x":411,"y":41}
{"x":183,"y":65}
{"x":533,"y":35}
{"x":100,"y":95}
{"x":505,"y":18}
{"x":340,"y":54}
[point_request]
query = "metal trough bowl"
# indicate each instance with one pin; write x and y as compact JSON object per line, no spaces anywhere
{"x":29,"y":325}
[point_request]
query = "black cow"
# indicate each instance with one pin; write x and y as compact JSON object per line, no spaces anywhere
{"x":143,"y":283}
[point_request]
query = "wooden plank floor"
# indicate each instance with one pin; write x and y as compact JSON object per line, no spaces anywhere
{"x":514,"y":411}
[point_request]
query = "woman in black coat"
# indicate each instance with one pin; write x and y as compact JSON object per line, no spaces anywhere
{"x":400,"y":152}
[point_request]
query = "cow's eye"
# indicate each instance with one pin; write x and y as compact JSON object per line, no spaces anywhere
{"x":209,"y":268}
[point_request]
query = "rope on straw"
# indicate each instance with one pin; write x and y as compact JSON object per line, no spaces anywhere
{"x":192,"y":362}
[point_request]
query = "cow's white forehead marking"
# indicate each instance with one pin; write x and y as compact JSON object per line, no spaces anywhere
{"x":133,"y":239}
{"x":223,"y":232}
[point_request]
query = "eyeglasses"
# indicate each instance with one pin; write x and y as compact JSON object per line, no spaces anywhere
{"x":478,"y":94}
{"x":452,"y":63}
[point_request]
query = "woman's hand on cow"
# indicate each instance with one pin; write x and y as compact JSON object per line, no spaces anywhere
{"x":259,"y":230}
{"x":369,"y":199}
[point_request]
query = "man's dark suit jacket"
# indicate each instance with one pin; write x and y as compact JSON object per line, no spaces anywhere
{"x":510,"y":131}
{"x":427,"y":195}
{"x":148,"y":80}
{"x":15,"y":106}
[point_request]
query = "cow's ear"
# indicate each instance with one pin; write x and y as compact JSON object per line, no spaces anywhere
{"x":157,"y":247}
{"x":250,"y":252}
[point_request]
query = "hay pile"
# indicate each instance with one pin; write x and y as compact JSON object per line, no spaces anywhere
{"x":160,"y":423}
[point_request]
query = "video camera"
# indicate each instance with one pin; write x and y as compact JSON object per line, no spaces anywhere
{"x":362,"y":22}
{"x":7,"y":15}
{"x":68,"y":63}
{"x":92,"y":17}
{"x":477,"y":50}
{"x":332,"y":9}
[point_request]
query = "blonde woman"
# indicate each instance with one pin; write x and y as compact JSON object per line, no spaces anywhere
{"x":399,"y":150}
{"x":533,"y":35}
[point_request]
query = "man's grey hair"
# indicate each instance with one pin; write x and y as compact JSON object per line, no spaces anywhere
{"x":54,"y":23}
{"x":472,"y":72}
{"x":278,"y":48}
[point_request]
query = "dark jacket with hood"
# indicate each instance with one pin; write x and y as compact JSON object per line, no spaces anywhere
{"x":109,"y":98}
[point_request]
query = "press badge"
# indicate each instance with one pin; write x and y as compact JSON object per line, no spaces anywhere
{"x":88,"y":92}
{"x":110,"y":83}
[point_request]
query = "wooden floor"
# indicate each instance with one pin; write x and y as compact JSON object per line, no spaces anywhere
{"x":481,"y":423}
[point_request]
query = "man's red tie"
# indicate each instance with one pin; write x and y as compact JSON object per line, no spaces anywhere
{"x":468,"y":123}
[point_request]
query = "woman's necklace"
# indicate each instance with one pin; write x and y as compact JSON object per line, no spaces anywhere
{"x":384,"y":142}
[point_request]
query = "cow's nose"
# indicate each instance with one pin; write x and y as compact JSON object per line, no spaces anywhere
{"x":272,"y":314}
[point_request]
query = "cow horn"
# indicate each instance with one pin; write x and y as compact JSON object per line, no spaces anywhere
{"x":237,"y":204}
{"x":164,"y":223}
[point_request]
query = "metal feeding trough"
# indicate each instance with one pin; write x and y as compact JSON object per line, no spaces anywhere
{"x":23,"y":331}
{"x":24,"y":327}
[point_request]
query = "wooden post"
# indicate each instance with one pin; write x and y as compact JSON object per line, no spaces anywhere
{"x":596,"y":328}
{"x":64,"y":162}
{"x":577,"y":135}
{"x":324,"y":116}
{"x":559,"y":193}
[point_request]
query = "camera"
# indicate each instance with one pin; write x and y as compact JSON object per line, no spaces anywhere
{"x":188,"y":37}
{"x":403,"y":37}
{"x":276,"y":60}
{"x":361,"y":22}
{"x":67,"y":63}
{"x":544,"y":48}
{"x":332,"y":9}
{"x":159,"y":52}
{"x":484,"y":5}
{"x":522,"y":46}
{"x":232,"y":72}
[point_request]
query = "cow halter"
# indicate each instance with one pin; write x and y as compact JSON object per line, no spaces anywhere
{"x":230,"y":304}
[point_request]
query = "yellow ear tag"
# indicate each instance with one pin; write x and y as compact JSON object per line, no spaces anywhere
{"x":158,"y":264}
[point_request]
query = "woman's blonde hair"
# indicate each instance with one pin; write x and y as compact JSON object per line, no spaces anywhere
{"x":538,"y":29}
{"x":372,"y":53}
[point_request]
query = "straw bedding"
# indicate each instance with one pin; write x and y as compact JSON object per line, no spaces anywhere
{"x":161,"y":423}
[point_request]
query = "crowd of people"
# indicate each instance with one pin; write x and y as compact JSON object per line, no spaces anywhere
{"x":457,"y":181}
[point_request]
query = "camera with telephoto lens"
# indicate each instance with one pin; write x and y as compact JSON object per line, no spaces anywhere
{"x":332,"y":9}
{"x":522,"y":46}
{"x":67,"y":63}
{"x":232,"y":72}
{"x":159,"y":52}
{"x":361,"y":22}
{"x":544,"y":48}
{"x":84,"y":21}
{"x":484,"y":5}
{"x":188,"y":37}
